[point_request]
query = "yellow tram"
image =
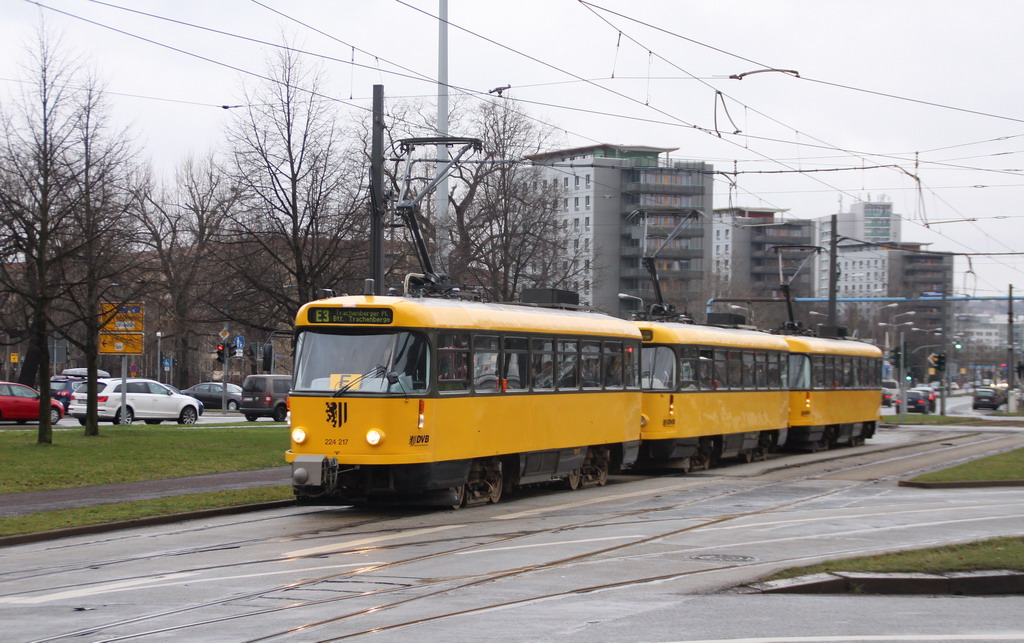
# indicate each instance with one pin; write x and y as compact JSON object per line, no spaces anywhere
{"x":711,"y":393}
{"x":834,"y":393}
{"x":446,"y":400}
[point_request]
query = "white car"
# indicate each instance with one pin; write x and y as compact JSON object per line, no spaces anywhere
{"x":146,"y":400}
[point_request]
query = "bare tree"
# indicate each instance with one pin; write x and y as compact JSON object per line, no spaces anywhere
{"x":108,"y":266}
{"x":183,"y":229}
{"x":38,"y":166}
{"x":294,"y":233}
{"x":507,"y":233}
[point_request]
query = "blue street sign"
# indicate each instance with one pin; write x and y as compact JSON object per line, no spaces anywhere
{"x":239,"y":342}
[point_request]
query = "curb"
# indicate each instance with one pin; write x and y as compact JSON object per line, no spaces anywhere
{"x":962,"y":484}
{"x":19,"y":539}
{"x":982,"y":583}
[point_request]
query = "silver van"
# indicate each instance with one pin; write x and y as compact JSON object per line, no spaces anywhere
{"x":266,"y":396}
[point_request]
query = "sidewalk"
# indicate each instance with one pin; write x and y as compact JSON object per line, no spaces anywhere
{"x":18,"y":504}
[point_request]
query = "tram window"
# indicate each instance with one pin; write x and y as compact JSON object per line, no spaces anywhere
{"x":612,"y":364}
{"x":514,"y":368}
{"x":761,"y":370}
{"x":722,"y":369}
{"x":688,"y":367}
{"x":410,"y":362}
{"x":568,"y":365}
{"x":774,"y":381}
{"x":799,"y":372}
{"x":658,"y":365}
{"x":631,"y":364}
{"x":848,"y":377}
{"x":818,"y":371}
{"x":783,"y":370}
{"x":735,"y":367}
{"x":453,"y":362}
{"x":542,"y":364}
{"x":485,"y":363}
{"x":748,"y":370}
{"x":542,"y":368}
{"x":590,"y":362}
{"x":706,"y":379}
{"x":361,"y":362}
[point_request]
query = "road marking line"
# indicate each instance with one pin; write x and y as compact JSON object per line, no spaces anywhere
{"x":161,"y":581}
{"x":561,"y":542}
{"x":583,"y":503}
{"x":327,"y":549}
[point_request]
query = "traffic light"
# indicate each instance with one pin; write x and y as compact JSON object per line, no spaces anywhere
{"x":220,"y":353}
{"x":957,"y":345}
{"x":940,"y":361}
{"x":268,"y":356}
{"x":896,"y":357}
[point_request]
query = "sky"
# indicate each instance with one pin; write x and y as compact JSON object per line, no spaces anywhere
{"x":917,"y":102}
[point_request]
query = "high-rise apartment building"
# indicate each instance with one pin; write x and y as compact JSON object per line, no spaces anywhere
{"x":747,"y":246}
{"x":606,"y":191}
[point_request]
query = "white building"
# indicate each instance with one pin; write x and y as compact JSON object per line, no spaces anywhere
{"x":604,"y":188}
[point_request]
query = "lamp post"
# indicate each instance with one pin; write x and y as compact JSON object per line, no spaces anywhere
{"x":903,"y":359}
{"x":624,"y":296}
{"x":749,"y":311}
{"x":159,"y":356}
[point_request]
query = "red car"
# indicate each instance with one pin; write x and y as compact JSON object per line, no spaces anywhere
{"x":21,"y":404}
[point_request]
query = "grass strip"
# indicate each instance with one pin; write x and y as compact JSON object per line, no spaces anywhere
{"x":1002,"y":466}
{"x":134,"y":453}
{"x":935,"y":419}
{"x":99,"y":514}
{"x":998,"y":553}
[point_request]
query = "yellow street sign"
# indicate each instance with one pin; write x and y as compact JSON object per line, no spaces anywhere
{"x":121,"y":318}
{"x":121,"y":343}
{"x":14,"y":358}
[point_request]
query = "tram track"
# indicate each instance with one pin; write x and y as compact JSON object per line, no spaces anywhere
{"x":462,"y":583}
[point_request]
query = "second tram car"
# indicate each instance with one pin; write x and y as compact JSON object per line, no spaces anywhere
{"x":711,"y":393}
{"x":834,"y":391}
{"x":445,"y":400}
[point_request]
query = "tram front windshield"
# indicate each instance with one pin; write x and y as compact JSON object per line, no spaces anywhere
{"x":355,"y":363}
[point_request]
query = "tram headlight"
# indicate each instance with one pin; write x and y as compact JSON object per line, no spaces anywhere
{"x":374,"y":437}
{"x":298,"y":436}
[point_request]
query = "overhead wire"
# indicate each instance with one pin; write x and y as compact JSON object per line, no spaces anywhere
{"x":413,"y":74}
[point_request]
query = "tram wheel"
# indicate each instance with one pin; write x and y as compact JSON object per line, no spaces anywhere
{"x":460,"y":496}
{"x":495,"y":484}
{"x":573,"y":480}
{"x":601,"y":467}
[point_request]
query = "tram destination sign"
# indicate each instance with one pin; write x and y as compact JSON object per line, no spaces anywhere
{"x":372,"y":316}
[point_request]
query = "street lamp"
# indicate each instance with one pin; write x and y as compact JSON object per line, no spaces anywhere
{"x":902,"y":360}
{"x":159,"y":356}
{"x":624,"y":296}
{"x":749,"y":311}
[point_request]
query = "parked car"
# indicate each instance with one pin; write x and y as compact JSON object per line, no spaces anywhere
{"x":61,"y":389}
{"x":988,"y":398}
{"x":211,"y":394}
{"x":63,"y":385}
{"x":21,"y":404}
{"x":146,"y":400}
{"x":266,"y":396}
{"x":917,"y":402}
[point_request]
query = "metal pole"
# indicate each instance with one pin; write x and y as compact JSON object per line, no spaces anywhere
{"x":902,"y":376}
{"x":1011,"y":364}
{"x":159,"y":356}
{"x":377,"y":192}
{"x":833,"y":271}
{"x":124,"y":386}
{"x":944,"y":348}
{"x":441,"y":196}
{"x":224,"y":373}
